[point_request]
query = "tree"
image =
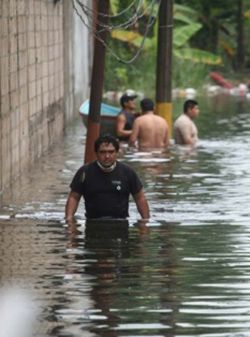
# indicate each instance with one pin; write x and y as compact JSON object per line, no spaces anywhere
{"x":129,"y":41}
{"x":224,"y":24}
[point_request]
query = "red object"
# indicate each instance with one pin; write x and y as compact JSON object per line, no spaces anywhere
{"x":219,"y":79}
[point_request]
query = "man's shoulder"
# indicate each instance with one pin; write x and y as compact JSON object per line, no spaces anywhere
{"x":142,"y":119}
{"x":125,"y":167}
{"x":87,"y":167}
{"x":152,"y":118}
{"x":124,"y":112}
{"x":182,"y":119}
{"x":121,"y":115}
{"x":160,"y":118}
{"x":121,"y":164}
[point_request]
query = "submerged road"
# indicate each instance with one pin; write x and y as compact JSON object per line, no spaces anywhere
{"x":187,"y":276}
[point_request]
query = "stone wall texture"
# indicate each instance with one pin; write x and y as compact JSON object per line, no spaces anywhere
{"x":32,"y":87}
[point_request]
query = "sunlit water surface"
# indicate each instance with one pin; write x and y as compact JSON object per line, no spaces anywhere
{"x":188,"y":275}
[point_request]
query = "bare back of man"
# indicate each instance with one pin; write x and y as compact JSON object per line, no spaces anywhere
{"x":150,"y":130}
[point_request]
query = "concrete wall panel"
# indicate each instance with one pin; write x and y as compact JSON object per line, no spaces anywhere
{"x":44,"y":68}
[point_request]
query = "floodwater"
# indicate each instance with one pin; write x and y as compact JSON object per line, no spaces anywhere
{"x":188,"y":275}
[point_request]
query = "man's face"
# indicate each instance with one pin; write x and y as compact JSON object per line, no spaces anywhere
{"x":130,"y":105}
{"x":106,"y":154}
{"x":194,"y":112}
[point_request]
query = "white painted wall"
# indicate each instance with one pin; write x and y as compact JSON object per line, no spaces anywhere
{"x":78,"y":59}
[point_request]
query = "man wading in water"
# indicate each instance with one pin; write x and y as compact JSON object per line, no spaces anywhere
{"x":126,"y":117}
{"x":106,"y":185}
{"x":185,"y":131}
{"x":150,"y":130}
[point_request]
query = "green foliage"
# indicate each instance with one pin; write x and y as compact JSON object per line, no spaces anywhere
{"x":184,"y":14}
{"x":220,"y":26}
{"x":185,"y":77}
{"x":183,"y":34}
{"x":197,"y":56}
{"x":140,"y":75}
{"x":114,"y":6}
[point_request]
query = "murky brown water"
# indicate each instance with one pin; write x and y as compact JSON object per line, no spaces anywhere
{"x":189,"y":275}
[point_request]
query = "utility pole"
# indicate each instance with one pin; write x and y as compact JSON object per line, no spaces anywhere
{"x":94,"y":116}
{"x":240,"y":52}
{"x":164,"y":61}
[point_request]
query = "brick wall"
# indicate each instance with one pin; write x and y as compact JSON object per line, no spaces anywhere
{"x":32,"y":82}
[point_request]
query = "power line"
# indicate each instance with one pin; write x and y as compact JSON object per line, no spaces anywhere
{"x":89,"y":15}
{"x":90,"y":10}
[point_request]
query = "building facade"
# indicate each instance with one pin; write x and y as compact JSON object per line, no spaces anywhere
{"x":45,"y":64}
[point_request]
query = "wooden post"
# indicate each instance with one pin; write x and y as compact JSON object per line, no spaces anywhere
{"x":164,"y":61}
{"x":93,"y":127}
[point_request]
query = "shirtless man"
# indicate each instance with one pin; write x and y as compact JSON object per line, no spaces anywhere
{"x":126,"y":117}
{"x":185,"y":131}
{"x":150,"y":130}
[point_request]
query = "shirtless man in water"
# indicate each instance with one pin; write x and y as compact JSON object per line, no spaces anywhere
{"x":150,"y":130}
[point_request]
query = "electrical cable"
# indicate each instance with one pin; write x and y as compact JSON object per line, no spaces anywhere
{"x":150,"y":22}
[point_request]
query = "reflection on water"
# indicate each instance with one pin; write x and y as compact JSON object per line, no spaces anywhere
{"x":187,"y":275}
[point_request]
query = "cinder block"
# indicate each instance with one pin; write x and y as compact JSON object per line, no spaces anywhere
{"x":38,"y":102}
{"x":14,"y":100}
{"x":4,"y":27}
{"x":22,"y":77}
{"x":5,"y":126}
{"x":5,"y":9}
{"x":32,"y":73}
{"x":24,"y":114}
{"x":23,"y":96}
{"x":45,"y":99}
{"x":32,"y":106}
{"x":31,"y":23}
{"x":22,"y":42}
{"x":45,"y":69}
{"x":45,"y":84}
{"x":24,"y":152}
{"x":31,"y":40}
{"x":5,"y":105}
{"x":13,"y":63}
{"x":13,"y":44}
{"x":13,"y":81}
{"x":13,"y":25}
{"x":5,"y":45}
{"x":12,"y":8}
{"x":32,"y":90}
{"x":22,"y":7}
{"x":31,"y":56}
{"x":4,"y":84}
{"x":23,"y":59}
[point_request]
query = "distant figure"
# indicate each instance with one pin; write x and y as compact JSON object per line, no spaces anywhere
{"x":106,"y":185}
{"x":126,"y":117}
{"x":150,"y":130}
{"x":185,"y":131}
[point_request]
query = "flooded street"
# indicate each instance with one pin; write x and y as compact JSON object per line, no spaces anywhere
{"x":188,"y":275}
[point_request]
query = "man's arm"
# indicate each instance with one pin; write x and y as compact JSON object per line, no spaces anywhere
{"x":120,"y":125}
{"x":142,"y":204}
{"x":189,"y":140}
{"x":72,"y":205}
{"x":186,"y":133}
{"x":135,"y":132}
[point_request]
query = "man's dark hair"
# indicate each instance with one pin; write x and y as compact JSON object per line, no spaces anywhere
{"x":107,"y":138}
{"x":147,"y":104}
{"x":125,"y":98}
{"x":190,"y":103}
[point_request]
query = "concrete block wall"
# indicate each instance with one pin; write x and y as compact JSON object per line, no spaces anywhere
{"x":32,"y":98}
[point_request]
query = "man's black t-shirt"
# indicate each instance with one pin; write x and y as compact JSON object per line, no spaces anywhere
{"x":106,"y":194}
